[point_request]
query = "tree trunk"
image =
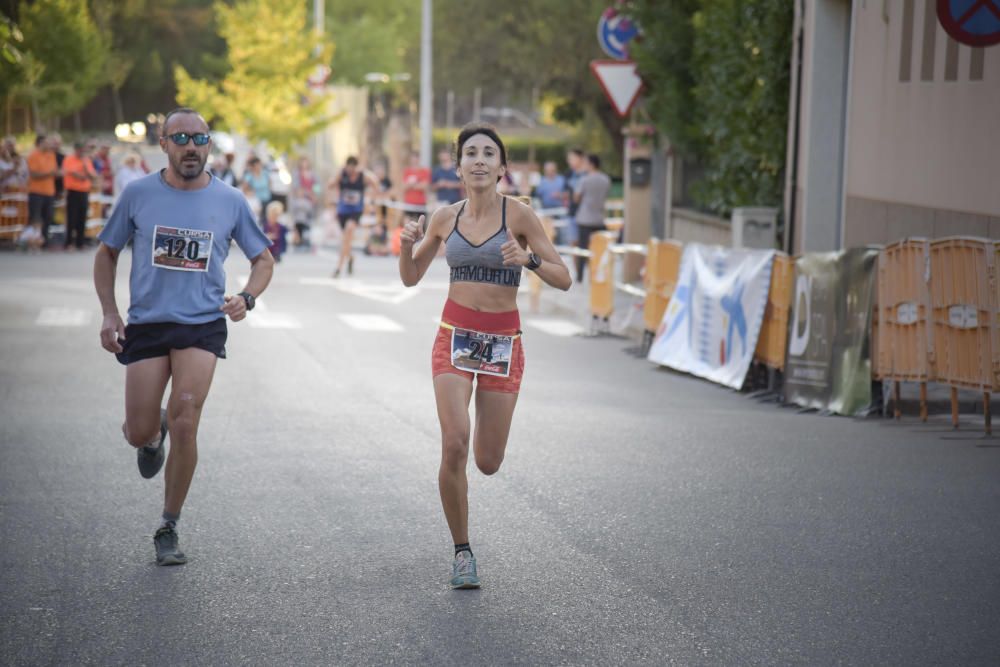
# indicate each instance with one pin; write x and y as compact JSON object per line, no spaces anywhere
{"x":77,"y":125}
{"x":116,"y":98}
{"x":613,"y":124}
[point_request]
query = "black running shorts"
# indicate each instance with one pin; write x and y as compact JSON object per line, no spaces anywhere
{"x":145,"y":341}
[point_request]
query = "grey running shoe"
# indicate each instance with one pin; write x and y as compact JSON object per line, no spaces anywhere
{"x":150,"y":459}
{"x":167,"y":552}
{"x":463,"y":571}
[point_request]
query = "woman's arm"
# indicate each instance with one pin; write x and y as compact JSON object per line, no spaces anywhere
{"x":413,"y":264}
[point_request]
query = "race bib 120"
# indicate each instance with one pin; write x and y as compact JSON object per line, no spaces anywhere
{"x":479,"y":352}
{"x":181,"y":249}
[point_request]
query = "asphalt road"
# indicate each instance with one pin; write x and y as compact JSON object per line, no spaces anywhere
{"x":640,"y":516}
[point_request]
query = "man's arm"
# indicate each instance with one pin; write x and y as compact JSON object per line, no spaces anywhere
{"x":112,"y":326}
{"x":261,"y":270}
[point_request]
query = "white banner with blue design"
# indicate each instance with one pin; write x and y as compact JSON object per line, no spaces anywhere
{"x":711,"y":326}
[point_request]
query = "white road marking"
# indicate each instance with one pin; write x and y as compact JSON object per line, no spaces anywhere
{"x":555,"y":327}
{"x":263,"y":317}
{"x":364,"y":322}
{"x":393,"y":293}
{"x":272,"y":321}
{"x":63,"y":317}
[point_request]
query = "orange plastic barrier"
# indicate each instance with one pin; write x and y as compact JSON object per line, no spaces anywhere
{"x":904,"y":348}
{"x":663,"y":264}
{"x":963,"y":312}
{"x":963,"y":316}
{"x":13,"y":213}
{"x":602,"y":274}
{"x":773,"y":337}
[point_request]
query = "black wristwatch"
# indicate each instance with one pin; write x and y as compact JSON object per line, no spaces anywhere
{"x":249,"y":299}
{"x":534,"y":261}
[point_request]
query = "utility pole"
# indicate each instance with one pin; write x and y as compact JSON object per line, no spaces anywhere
{"x":426,"y":85}
{"x":319,"y":139}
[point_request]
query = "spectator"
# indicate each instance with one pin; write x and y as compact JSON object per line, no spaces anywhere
{"x":252,"y":200}
{"x":57,"y":148}
{"x":42,"y":171}
{"x":221,"y":170}
{"x":574,"y":159}
{"x":13,"y":167}
{"x":80,"y":177}
{"x":273,"y":228}
{"x":102,"y":165}
{"x":258,"y":179}
{"x":129,"y":171}
{"x":551,"y":187}
{"x":445,"y":181}
{"x":416,"y":181}
{"x":591,"y":195}
{"x":302,"y":205}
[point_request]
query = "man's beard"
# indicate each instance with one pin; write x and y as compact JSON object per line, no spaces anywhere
{"x":183,"y":167}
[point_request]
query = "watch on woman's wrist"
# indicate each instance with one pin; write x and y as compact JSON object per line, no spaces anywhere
{"x":534,"y":261}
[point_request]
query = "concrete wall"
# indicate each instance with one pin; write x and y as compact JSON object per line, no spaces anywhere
{"x":923,"y":132}
{"x":691,"y":226}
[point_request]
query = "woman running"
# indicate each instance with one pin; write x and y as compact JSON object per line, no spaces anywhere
{"x":349,"y":190}
{"x":479,"y":340}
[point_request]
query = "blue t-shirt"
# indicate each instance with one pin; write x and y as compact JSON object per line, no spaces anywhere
{"x":180,"y":242}
{"x":450,"y":195}
{"x":550,"y":190}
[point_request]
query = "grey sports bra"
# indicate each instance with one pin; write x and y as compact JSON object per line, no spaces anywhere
{"x":481,"y":263}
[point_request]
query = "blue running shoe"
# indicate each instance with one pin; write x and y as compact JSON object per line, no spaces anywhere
{"x":150,"y":459}
{"x":463,"y":571}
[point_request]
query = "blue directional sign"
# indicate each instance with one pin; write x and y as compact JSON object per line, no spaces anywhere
{"x":972,"y":22}
{"x":614,"y":32}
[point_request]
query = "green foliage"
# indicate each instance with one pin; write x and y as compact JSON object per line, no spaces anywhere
{"x":718,"y":72}
{"x":65,"y":58}
{"x":373,"y":36}
{"x":265,"y":96}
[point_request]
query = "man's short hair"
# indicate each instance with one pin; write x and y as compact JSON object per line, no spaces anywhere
{"x":175,"y":112}
{"x":595,"y":160}
{"x":40,"y":139}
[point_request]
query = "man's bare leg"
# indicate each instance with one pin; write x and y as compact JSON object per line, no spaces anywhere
{"x":192,"y":370}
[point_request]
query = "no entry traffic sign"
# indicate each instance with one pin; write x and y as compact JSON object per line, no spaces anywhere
{"x":620,"y":81}
{"x":972,"y":22}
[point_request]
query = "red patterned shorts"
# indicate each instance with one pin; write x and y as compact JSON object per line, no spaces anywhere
{"x":500,"y":323}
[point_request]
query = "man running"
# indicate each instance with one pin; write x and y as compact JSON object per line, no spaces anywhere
{"x":181,"y":221}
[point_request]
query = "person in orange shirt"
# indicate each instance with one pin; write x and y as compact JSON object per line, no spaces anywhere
{"x":79,"y":177}
{"x":42,"y":172}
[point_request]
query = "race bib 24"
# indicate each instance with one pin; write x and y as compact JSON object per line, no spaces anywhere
{"x":479,"y":352}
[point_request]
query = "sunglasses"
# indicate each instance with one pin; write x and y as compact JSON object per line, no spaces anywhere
{"x":182,"y":138}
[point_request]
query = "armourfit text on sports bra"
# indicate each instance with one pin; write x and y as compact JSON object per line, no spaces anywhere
{"x":481,"y":263}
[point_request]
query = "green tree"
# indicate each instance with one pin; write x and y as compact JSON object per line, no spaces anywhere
{"x":717,"y":73}
{"x":545,"y":45}
{"x":65,"y":56}
{"x":373,"y":36}
{"x":265,"y":95}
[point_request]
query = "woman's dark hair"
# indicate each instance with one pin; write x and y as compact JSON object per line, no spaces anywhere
{"x":471,"y":130}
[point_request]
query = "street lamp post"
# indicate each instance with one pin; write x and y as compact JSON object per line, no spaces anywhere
{"x":426,"y":85}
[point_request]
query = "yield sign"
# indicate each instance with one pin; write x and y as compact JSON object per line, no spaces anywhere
{"x":972,"y":22}
{"x":620,"y":82}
